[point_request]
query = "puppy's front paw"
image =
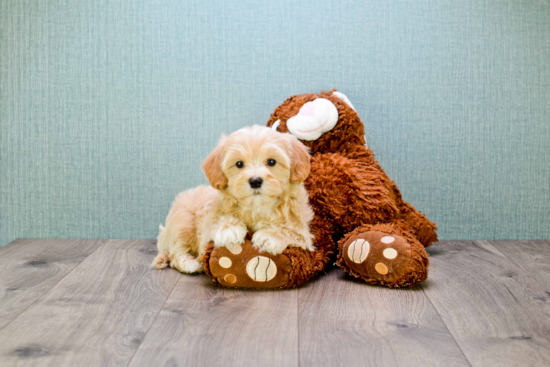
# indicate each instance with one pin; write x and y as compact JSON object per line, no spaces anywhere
{"x":265,"y":242}
{"x":229,"y":236}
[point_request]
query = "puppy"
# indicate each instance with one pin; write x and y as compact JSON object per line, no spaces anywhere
{"x":256,"y":176}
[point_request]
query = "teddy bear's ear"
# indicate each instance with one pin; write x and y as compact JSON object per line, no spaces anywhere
{"x":314,"y":119}
{"x":344,"y":98}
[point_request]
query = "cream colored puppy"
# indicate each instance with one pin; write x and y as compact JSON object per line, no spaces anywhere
{"x":256,"y":176}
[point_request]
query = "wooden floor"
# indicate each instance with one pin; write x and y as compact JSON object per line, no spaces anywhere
{"x":98,"y":303}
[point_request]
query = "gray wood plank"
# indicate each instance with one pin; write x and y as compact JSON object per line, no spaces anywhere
{"x":30,"y":267}
{"x":97,"y":315}
{"x":531,"y":256}
{"x":346,"y":322}
{"x":498,"y":314}
{"x":204,"y":325}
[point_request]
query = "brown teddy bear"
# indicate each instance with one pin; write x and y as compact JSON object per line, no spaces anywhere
{"x":359,"y":212}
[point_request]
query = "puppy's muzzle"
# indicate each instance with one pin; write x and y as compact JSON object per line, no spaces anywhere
{"x":255,"y":182}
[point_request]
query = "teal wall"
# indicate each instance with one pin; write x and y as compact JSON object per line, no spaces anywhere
{"x":107,"y":108}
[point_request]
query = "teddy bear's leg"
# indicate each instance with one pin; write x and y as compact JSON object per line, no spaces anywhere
{"x":423,"y":229}
{"x":385,"y":254}
{"x":245,"y":267}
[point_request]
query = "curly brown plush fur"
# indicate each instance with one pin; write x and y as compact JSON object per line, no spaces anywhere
{"x":357,"y":207}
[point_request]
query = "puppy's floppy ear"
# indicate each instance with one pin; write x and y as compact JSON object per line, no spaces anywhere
{"x":212,"y":167}
{"x":299,"y":160}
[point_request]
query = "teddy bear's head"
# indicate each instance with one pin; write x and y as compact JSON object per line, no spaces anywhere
{"x":325,"y":122}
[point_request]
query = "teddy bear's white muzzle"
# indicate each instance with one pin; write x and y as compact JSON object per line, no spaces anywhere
{"x":314,"y":119}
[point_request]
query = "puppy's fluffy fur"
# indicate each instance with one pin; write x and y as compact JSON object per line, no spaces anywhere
{"x":278,"y":212}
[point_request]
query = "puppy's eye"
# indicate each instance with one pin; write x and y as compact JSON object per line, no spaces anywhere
{"x":271,"y":162}
{"x":239,"y":164}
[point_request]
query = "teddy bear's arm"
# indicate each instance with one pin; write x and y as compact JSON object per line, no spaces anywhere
{"x":351,"y":192}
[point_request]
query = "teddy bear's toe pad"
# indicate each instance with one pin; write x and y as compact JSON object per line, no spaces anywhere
{"x":244,"y":267}
{"x":377,"y":255}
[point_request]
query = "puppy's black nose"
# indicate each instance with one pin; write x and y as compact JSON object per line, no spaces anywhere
{"x":255,"y":182}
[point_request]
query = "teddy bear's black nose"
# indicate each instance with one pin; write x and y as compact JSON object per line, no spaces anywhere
{"x":255,"y":182}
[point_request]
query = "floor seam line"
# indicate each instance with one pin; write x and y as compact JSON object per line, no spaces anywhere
{"x":444,"y":323}
{"x":528,"y":273}
{"x":298,"y":323}
{"x":49,"y":289}
{"x":447,"y":328}
{"x":154,"y":320}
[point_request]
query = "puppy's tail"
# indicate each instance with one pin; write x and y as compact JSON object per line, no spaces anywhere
{"x":161,"y":261}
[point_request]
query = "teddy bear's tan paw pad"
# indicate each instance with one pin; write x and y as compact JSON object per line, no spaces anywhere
{"x":244,"y":267}
{"x":261,"y":269}
{"x":377,"y":255}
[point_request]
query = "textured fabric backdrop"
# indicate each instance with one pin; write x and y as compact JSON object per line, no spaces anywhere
{"x":108,"y":107}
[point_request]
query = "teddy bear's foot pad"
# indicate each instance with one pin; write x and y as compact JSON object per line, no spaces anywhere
{"x":377,"y":255}
{"x":243,"y":266}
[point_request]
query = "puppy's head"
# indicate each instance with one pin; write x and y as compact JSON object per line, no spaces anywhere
{"x":257,"y":161}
